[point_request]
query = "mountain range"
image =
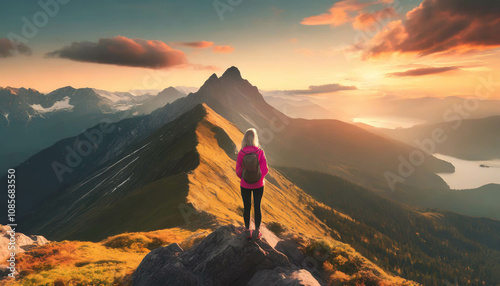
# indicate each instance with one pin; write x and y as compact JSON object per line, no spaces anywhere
{"x":330,"y":146}
{"x":175,"y":167}
{"x":33,"y":121}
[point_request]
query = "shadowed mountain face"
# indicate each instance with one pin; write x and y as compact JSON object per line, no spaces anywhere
{"x":471,"y":139}
{"x":150,"y":171}
{"x":33,"y":121}
{"x":152,"y":103}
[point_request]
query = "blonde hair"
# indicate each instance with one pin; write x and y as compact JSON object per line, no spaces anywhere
{"x":250,"y":138}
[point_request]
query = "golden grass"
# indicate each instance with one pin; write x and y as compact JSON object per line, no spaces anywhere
{"x":342,"y":265}
{"x":109,"y":262}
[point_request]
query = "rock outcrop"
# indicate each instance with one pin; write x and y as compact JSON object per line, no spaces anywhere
{"x":226,"y":257}
{"x":23,"y":242}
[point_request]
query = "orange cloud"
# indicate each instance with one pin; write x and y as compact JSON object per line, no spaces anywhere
{"x":441,"y":26}
{"x":198,"y":45}
{"x":223,"y":49}
{"x":123,"y":51}
{"x":365,"y":21}
{"x":347,"y":11}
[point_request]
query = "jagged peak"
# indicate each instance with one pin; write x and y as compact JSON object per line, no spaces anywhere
{"x":232,"y":73}
{"x":12,"y":90}
{"x":79,"y":91}
{"x":210,"y":81}
{"x":33,"y":90}
{"x":16,"y":90}
{"x":213,"y":77}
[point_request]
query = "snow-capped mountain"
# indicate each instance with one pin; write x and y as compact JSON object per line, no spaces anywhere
{"x":33,"y":120}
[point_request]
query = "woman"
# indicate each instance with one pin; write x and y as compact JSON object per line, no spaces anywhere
{"x":251,"y":168}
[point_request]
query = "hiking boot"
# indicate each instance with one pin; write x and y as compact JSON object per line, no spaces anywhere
{"x":257,"y":234}
{"x":248,"y":234}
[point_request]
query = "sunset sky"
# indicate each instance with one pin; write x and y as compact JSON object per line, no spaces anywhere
{"x":353,"y":48}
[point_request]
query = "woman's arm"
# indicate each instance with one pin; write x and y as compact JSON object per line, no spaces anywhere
{"x":264,"y":169}
{"x":239,"y":160}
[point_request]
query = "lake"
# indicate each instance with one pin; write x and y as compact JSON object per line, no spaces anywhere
{"x":470,"y":174}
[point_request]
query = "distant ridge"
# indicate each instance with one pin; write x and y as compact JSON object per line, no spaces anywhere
{"x":331,"y":146}
{"x":468,"y":139}
{"x":26,"y":114}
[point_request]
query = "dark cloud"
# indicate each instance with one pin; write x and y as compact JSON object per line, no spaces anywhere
{"x":123,"y":51}
{"x":9,"y":48}
{"x":198,"y":45}
{"x":422,"y":71}
{"x":437,"y":26}
{"x":315,"y":89}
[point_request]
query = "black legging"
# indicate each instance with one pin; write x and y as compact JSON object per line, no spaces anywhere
{"x":246,"y":194}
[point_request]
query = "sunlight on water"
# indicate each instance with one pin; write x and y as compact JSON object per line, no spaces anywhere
{"x":470,"y":174}
{"x":390,"y":122}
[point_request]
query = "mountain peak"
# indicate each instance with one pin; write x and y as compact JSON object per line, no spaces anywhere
{"x":64,"y":89}
{"x":170,"y":88}
{"x":213,"y":77}
{"x":168,"y":91}
{"x":232,"y":73}
{"x":12,"y":90}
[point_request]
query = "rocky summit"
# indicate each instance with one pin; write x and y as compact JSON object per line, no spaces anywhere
{"x":227,"y":257}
